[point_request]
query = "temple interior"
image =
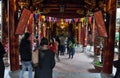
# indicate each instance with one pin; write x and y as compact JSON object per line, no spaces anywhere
{"x":94,"y":25}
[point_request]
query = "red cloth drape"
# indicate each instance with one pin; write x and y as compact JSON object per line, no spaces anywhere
{"x":30,"y":24}
{"x":100,"y":24}
{"x":23,"y":21}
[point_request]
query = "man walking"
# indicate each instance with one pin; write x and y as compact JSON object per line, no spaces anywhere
{"x":25,"y":49}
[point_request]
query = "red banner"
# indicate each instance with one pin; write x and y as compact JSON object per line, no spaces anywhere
{"x":100,"y":24}
{"x":94,"y":31}
{"x":23,"y":21}
{"x":30,"y":24}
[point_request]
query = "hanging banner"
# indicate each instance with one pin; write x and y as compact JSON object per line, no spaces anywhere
{"x":30,"y":24}
{"x":90,"y":20}
{"x":55,"y":19}
{"x":23,"y":21}
{"x":100,"y":24}
{"x":94,"y":31}
{"x":43,"y":17}
{"x":36,"y":16}
{"x":40,"y":17}
{"x":82,"y":20}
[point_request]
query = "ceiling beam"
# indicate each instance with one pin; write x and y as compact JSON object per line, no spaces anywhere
{"x":65,"y":15}
{"x":72,"y":9}
{"x":66,"y":5}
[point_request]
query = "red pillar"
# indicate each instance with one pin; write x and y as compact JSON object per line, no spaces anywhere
{"x":13,"y":39}
{"x":109,"y":41}
{"x":79,"y":32}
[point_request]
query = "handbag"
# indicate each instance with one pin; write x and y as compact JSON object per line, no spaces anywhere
{"x":35,"y":57}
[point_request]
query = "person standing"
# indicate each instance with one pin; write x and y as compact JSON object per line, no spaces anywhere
{"x":2,"y":67}
{"x":37,"y":41}
{"x":116,"y":64}
{"x":25,"y":49}
{"x":52,"y":45}
{"x":57,"y":41}
{"x":71,"y":48}
{"x":46,"y":61}
{"x":62,"y":44}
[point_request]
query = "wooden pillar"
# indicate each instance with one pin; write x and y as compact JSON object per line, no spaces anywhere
{"x":85,"y":35}
{"x":48,"y":32}
{"x":119,"y":38}
{"x":79,"y":32}
{"x":119,"y":44}
{"x":13,"y":39}
{"x":4,"y":25}
{"x":109,"y":42}
{"x":44,"y":31}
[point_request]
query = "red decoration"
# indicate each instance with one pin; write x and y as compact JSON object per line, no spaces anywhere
{"x":30,"y":24}
{"x":23,"y":21}
{"x":100,"y":24}
{"x":90,"y":20}
{"x":94,"y":31}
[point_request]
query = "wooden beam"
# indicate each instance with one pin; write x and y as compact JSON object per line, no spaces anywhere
{"x":65,"y":15}
{"x":66,"y":9}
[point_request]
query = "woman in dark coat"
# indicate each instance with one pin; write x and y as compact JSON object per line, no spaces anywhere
{"x":2,"y":67}
{"x":117,"y":66}
{"x":46,"y":61}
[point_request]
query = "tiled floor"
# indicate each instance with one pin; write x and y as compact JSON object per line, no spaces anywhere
{"x":78,"y":67}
